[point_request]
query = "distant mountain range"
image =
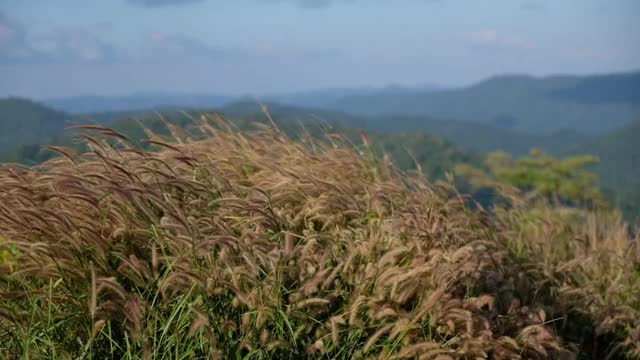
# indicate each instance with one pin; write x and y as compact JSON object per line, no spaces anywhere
{"x":436,"y":143}
{"x":619,"y":154}
{"x":140,"y":101}
{"x":471,"y":136}
{"x":321,"y":98}
{"x":585,"y":104}
{"x":565,"y":115}
{"x":326,"y":98}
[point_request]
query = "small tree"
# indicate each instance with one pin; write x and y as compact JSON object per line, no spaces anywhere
{"x":560,"y":181}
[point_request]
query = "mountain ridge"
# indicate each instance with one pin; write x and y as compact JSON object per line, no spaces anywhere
{"x":518,"y":102}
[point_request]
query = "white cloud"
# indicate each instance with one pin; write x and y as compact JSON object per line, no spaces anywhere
{"x":73,"y":45}
{"x":159,"y":47}
{"x":533,"y":6}
{"x":82,"y":45}
{"x":59,"y":45}
{"x":13,"y":41}
{"x":156,"y":3}
{"x":496,"y":40}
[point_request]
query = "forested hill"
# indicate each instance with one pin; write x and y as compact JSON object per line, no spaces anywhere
{"x":23,"y":122}
{"x":408,"y":149}
{"x":588,"y":104}
{"x":619,"y":165}
{"x":619,"y":154}
{"x":436,"y":145}
{"x":135,"y":102}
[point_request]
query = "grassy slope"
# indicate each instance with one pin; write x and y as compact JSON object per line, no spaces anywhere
{"x":542,"y":105}
{"x":256,"y":246}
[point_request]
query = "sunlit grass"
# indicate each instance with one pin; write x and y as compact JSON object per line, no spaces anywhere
{"x":251,"y":245}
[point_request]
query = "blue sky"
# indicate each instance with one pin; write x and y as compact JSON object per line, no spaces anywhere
{"x":52,"y":48}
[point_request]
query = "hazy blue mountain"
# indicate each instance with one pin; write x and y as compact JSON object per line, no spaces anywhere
{"x":135,"y":102}
{"x":168,"y":100}
{"x":435,"y":143}
{"x":466,"y":135}
{"x":323,"y":98}
{"x":602,"y":89}
{"x":435,"y":155}
{"x":619,"y":154}
{"x":619,"y":166}
{"x":585,"y":104}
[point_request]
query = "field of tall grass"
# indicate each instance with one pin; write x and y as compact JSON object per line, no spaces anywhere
{"x":249,"y":245}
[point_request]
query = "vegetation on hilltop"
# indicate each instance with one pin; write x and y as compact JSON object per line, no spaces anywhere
{"x":252,"y":245}
{"x":558,"y":181}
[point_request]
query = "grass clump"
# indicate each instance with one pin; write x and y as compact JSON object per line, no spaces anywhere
{"x":254,"y":246}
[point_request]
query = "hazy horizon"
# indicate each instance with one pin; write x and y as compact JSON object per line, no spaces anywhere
{"x":252,"y":47}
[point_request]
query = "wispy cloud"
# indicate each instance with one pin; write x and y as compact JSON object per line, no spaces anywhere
{"x":13,"y":41}
{"x":159,"y":47}
{"x":314,"y":4}
{"x":496,"y":40}
{"x":156,"y":3}
{"x":305,"y":4}
{"x":59,"y":45}
{"x":82,"y":45}
{"x":533,"y":6}
{"x":74,"y":45}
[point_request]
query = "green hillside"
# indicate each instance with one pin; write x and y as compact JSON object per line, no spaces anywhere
{"x":433,"y":154}
{"x":471,"y":136}
{"x":438,"y":144}
{"x":619,"y":154}
{"x":478,"y":137}
{"x":591,"y":105}
{"x":619,"y":166}
{"x":411,"y":140}
{"x":23,"y":122}
{"x":135,"y":102}
{"x":407,"y":149}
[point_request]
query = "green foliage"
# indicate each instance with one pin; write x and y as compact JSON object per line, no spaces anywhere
{"x":8,"y":254}
{"x":560,"y":179}
{"x":563,"y":180}
{"x":628,"y":200}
